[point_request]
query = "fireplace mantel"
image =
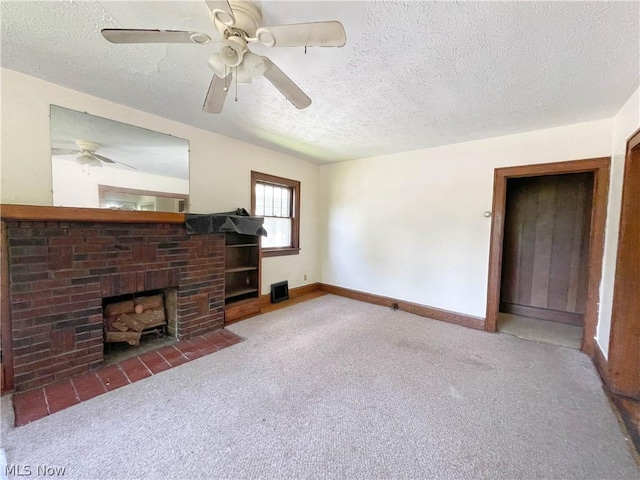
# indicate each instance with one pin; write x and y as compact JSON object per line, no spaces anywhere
{"x":73,"y":214}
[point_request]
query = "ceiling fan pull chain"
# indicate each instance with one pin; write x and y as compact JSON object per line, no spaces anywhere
{"x":236,"y":84}
{"x":226,"y":87}
{"x":305,"y":49}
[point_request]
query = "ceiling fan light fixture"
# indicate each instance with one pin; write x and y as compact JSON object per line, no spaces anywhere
{"x":89,"y":160}
{"x":232,"y":51}
{"x":254,"y":65}
{"x":239,"y":22}
{"x":217,"y":65}
{"x":242,"y":75}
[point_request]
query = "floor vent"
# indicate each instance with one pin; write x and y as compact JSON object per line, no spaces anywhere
{"x":279,"y":291}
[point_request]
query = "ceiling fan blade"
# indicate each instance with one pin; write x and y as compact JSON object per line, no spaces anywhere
{"x":64,"y":151}
{"x":108,"y":160}
{"x":221,"y":10}
{"x":126,"y":165}
{"x":318,"y":34}
{"x":125,"y":35}
{"x":286,"y":86}
{"x":104,"y":159}
{"x":217,"y":94}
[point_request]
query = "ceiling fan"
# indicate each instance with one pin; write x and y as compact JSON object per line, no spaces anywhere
{"x":88,"y":155}
{"x":240,"y":24}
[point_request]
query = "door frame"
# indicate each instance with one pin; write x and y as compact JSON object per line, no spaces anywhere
{"x":623,"y":342}
{"x":600,"y":168}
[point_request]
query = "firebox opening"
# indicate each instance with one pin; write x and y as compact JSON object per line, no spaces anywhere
{"x":138,"y":322}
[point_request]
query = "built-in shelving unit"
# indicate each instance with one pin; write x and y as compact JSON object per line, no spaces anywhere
{"x":242,"y":276}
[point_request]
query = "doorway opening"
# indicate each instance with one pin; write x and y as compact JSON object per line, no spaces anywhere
{"x":547,"y":241}
{"x":543,"y":286}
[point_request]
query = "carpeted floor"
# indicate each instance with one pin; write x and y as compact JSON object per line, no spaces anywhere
{"x":334,"y":388}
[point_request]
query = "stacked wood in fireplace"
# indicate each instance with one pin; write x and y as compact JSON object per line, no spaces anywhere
{"x":126,"y":321}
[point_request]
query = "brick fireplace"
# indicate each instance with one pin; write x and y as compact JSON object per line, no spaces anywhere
{"x":60,"y":271}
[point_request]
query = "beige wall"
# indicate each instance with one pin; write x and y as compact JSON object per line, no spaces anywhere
{"x":407,"y":225}
{"x":219,"y":166}
{"x":625,"y":123}
{"x":411,"y":225}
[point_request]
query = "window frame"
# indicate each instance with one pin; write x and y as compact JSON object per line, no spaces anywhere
{"x":294,"y":185}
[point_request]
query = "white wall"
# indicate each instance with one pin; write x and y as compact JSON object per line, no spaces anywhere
{"x":625,"y":123}
{"x":75,"y":185}
{"x":411,"y":225}
{"x":219,"y":166}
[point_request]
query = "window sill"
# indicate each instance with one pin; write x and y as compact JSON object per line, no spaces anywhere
{"x":277,"y":252}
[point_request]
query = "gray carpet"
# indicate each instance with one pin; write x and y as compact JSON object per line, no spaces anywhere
{"x":334,"y":388}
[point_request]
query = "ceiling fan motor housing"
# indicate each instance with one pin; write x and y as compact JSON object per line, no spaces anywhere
{"x":85,"y":146}
{"x":248,"y":18}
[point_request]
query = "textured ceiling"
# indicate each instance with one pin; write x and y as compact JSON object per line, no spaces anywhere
{"x":412,"y":75}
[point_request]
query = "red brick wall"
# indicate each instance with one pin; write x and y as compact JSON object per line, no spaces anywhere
{"x":60,"y":271}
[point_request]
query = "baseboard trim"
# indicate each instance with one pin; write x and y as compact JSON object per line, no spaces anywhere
{"x":456,"y":318}
{"x":265,"y":300}
{"x":568,"y":318}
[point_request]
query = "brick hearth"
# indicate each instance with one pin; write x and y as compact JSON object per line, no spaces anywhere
{"x":60,"y":271}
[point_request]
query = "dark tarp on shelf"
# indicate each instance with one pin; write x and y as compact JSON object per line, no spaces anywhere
{"x":238,"y":221}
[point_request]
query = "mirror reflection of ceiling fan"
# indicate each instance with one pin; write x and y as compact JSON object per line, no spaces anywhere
{"x":240,"y":24}
{"x":87,"y":154}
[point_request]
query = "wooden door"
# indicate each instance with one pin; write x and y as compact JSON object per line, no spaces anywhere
{"x":624,"y":341}
{"x":546,"y":247}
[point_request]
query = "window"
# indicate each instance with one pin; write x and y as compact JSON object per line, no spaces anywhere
{"x":277,"y":199}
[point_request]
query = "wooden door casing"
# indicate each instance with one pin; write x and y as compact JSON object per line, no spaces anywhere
{"x":546,"y":246}
{"x":624,"y":340}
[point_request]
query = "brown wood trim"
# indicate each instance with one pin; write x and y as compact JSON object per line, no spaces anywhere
{"x":240,"y":310}
{"x":415,"y":308}
{"x":601,"y":364}
{"x":5,"y":319}
{"x":596,"y":253}
{"x":260,"y":257}
{"x":600,"y":168}
{"x":255,"y":306}
{"x":555,"y":168}
{"x":279,"y":252}
{"x":294,"y":249}
{"x":498,"y":210}
{"x":73,"y":214}
{"x":634,"y":140}
{"x":624,"y":340}
{"x":543,"y":313}
{"x":295,"y":292}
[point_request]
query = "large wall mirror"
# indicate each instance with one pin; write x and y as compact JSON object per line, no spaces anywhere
{"x":101,"y":163}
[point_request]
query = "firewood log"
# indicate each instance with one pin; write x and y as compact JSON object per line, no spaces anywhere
{"x":149,"y":302}
{"x":112,"y":324}
{"x":118,"y":308}
{"x":151,"y":316}
{"x":118,"y":325}
{"x":132,"y":322}
{"x":132,"y":338}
